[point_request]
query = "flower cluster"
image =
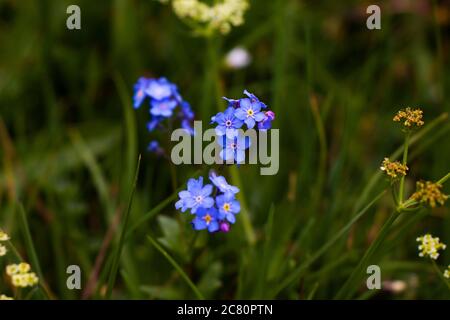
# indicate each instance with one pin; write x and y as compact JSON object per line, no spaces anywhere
{"x":429,"y":193}
{"x":393,"y":169}
{"x":3,"y":237}
{"x":219,"y":17}
{"x":164,"y":98}
{"x":3,"y":297}
{"x":246,"y":111}
{"x":213,"y":213}
{"x":21,"y":276}
{"x":447,"y":272}
{"x":430,"y":246}
{"x":410,"y":118}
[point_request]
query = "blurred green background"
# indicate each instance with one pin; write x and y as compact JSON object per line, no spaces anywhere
{"x":69,"y":142}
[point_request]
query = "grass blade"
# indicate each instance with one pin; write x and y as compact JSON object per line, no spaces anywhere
{"x":302,"y":268}
{"x":29,"y":245}
{"x":118,"y":251}
{"x":350,"y":285}
{"x":177,"y":267}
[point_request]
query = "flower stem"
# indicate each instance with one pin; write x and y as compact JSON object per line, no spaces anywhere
{"x":305,"y":265}
{"x":178,"y":268}
{"x":441,"y":276}
{"x":401,"y":190}
{"x":248,"y":228}
{"x":444,"y":178}
{"x":352,"y":282}
{"x":118,"y":250}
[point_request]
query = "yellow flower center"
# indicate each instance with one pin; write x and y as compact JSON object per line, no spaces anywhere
{"x":226,"y":207}
{"x":207,"y":218}
{"x":250,"y":112}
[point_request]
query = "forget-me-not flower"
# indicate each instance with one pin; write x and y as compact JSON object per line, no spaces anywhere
{"x":196,"y":196}
{"x":163,"y":108}
{"x":212,"y":213}
{"x":234,"y":148}
{"x":266,"y":123}
{"x":139,"y":91}
{"x":160,"y":89}
{"x":206,"y":218}
{"x":249,"y":111}
{"x":254,"y":98}
{"x":228,"y":207}
{"x":221,"y":183}
{"x":227,"y":123}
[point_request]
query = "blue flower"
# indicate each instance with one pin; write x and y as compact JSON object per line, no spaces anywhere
{"x":153,"y":123}
{"x":160,"y":89}
{"x":250,"y":112}
{"x":139,"y":91}
{"x":228,"y":207}
{"x":227,"y":123}
{"x":186,"y":125}
{"x":266,"y":123}
{"x":186,"y":110}
{"x":221,"y":183}
{"x":254,"y":98}
{"x":196,"y":196}
{"x":234,"y":148}
{"x":206,"y":218}
{"x":232,"y":103}
{"x":163,"y":108}
{"x":153,"y":146}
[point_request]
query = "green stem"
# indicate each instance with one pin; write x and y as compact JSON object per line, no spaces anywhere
{"x":401,"y":190}
{"x":118,"y":251}
{"x":441,"y":276}
{"x":245,"y":214}
{"x":303,"y":267}
{"x":31,"y":250}
{"x":444,"y":178}
{"x":352,"y":282}
{"x":411,"y":202}
{"x":178,"y":268}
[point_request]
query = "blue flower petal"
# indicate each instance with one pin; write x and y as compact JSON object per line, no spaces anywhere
{"x":208,"y":202}
{"x":240,"y":113}
{"x":250,"y":122}
{"x":213,"y":226}
{"x":206,"y":190}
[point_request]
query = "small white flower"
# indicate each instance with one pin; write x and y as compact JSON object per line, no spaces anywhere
{"x":3,"y":236}
{"x":3,"y":250}
{"x":238,"y":58}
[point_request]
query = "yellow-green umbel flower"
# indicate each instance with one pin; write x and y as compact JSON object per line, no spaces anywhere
{"x":429,"y":193}
{"x":394,"y":169}
{"x":447,"y":272}
{"x":220,"y":17}
{"x":24,"y":280}
{"x":429,"y":246}
{"x":3,"y":250}
{"x":3,"y":236}
{"x":12,"y":269}
{"x":21,"y":276}
{"x":410,"y":118}
{"x":23,"y":267}
{"x":3,"y":297}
